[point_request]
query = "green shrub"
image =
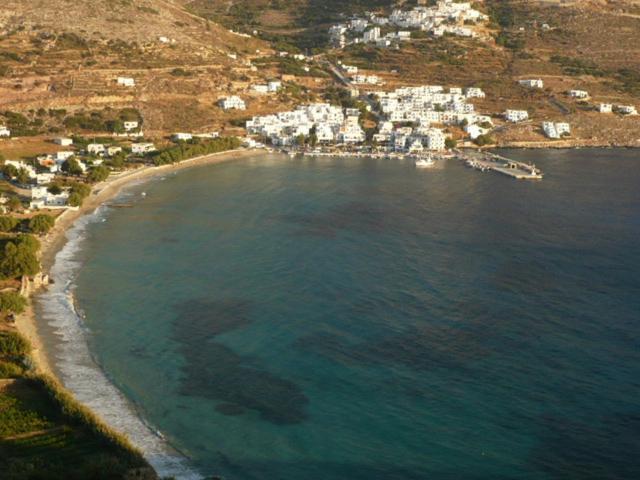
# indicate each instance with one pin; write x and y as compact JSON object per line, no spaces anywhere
{"x":8,"y":223}
{"x":10,"y":370}
{"x":13,"y":344}
{"x":41,"y":224}
{"x":12,"y":302}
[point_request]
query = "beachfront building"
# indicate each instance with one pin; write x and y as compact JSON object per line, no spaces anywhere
{"x":4,"y":131}
{"x":579,"y":94}
{"x":41,"y":197}
{"x":142,"y":148}
{"x":284,"y":127}
{"x":516,"y":116}
{"x":532,"y":83}
{"x":232,"y":103}
{"x":627,"y":109}
{"x":556,"y":130}
{"x":126,"y":82}
{"x":605,"y":108}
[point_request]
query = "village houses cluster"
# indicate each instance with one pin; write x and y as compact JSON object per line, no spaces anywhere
{"x":445,"y":17}
{"x":409,"y":115}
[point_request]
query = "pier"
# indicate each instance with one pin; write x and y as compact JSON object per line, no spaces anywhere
{"x":485,"y":162}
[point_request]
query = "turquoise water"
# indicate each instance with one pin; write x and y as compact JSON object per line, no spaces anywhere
{"x":331,"y":319}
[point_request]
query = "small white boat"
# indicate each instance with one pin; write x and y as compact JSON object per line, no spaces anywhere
{"x":144,"y":194}
{"x":425,"y":162}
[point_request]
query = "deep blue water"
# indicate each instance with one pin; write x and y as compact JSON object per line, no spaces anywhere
{"x":359,"y":319}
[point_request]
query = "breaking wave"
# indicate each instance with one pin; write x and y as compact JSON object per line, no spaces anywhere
{"x":79,"y":371}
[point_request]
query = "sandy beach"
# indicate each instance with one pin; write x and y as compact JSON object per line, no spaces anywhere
{"x":51,"y":244}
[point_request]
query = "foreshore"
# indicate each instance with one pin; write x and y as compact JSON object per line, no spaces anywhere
{"x":51,"y":244}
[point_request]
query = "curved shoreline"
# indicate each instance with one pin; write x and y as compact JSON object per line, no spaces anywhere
{"x":29,"y":324}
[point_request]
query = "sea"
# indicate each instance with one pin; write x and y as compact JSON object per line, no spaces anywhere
{"x":349,"y":318}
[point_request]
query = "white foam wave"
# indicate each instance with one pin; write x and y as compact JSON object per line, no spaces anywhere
{"x":80,"y":373}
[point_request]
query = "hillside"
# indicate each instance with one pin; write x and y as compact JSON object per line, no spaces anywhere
{"x":183,"y":55}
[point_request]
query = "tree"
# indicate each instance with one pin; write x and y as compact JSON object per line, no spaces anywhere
{"x":9,"y":171}
{"x":41,"y":224}
{"x":75,"y":200}
{"x":98,"y":174}
{"x":450,"y":143}
{"x":20,"y":257}
{"x":54,"y":189}
{"x":14,"y":204}
{"x":22,"y":176}
{"x":117,"y":161}
{"x":72,"y":167}
{"x":12,"y":302}
{"x":8,"y":223}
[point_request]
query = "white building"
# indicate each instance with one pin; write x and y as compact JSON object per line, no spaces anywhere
{"x":42,"y":198}
{"x":142,"y":148}
{"x":233,"y":103}
{"x":532,"y":83}
{"x":371,"y":36}
{"x":516,"y":115}
{"x":113,"y":150}
{"x":181,"y":137}
{"x":627,"y":109}
{"x":64,"y":155}
{"x":556,"y":130}
{"x":274,"y":86}
{"x":475,"y":131}
{"x":580,"y":94}
{"x":95,"y":148}
{"x":65,"y":142}
{"x":130,"y":125}
{"x":20,"y":165}
{"x":605,"y":108}
{"x":435,"y":139}
{"x":262,"y":89}
{"x":474,"y":92}
{"x":126,"y":82}
{"x":4,"y":131}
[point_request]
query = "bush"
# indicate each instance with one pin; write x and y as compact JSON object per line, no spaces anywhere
{"x":20,"y":257}
{"x":14,"y":345}
{"x":8,"y":223}
{"x":41,"y":224}
{"x":12,"y":302}
{"x":10,"y":370}
{"x":98,"y":174}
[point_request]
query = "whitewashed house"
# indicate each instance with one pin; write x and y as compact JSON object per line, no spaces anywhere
{"x":130,"y":125}
{"x":42,"y":198}
{"x":113,"y":150}
{"x":95,"y":149}
{"x":181,"y":137}
{"x":233,"y":103}
{"x":62,"y":141}
{"x":627,"y":109}
{"x":605,"y":108}
{"x":474,"y":131}
{"x":274,"y":86}
{"x":556,"y":130}
{"x":515,"y":116}
{"x":532,"y":83}
{"x":4,"y":131}
{"x":261,"y":89}
{"x":126,"y":81}
{"x":20,"y":165}
{"x":61,"y":157}
{"x":579,"y":94}
{"x":142,"y":148}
